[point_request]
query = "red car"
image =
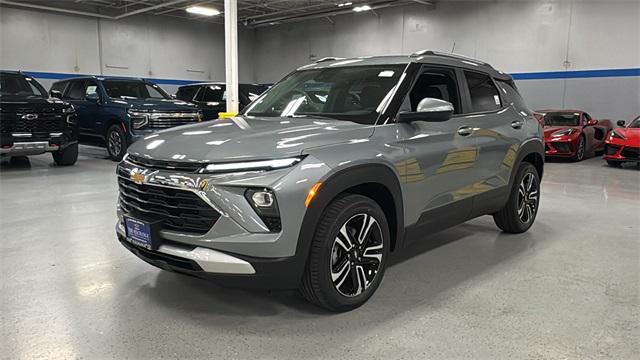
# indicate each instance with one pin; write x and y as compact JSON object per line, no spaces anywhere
{"x":623,"y":144}
{"x":573,"y":134}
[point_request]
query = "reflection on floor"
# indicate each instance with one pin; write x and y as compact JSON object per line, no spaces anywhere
{"x":566,"y":289}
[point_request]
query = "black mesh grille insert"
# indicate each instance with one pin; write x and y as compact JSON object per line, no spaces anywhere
{"x":40,"y":128}
{"x":631,"y":153}
{"x":179,"y":210}
{"x":612,"y":149}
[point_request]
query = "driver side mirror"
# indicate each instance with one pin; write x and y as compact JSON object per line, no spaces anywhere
{"x":429,"y":109}
{"x":621,"y":123}
{"x":592,"y":122}
{"x":93,"y":97}
{"x":55,"y":94}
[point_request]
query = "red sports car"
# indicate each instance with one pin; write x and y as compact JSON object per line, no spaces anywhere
{"x":623,"y":144}
{"x":573,"y":133}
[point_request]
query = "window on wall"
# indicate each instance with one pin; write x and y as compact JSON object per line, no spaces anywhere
{"x":484,"y":94}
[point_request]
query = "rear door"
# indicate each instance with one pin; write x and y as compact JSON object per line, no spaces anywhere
{"x":499,"y":130}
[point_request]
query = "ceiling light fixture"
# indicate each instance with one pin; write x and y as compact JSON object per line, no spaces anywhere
{"x":204,"y":11}
{"x":362,"y":8}
{"x":345,"y":4}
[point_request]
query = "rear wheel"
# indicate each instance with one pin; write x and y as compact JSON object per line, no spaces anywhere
{"x":580,"y":151}
{"x":116,"y":143}
{"x":67,"y":156}
{"x":348,"y":254}
{"x":521,"y":209}
{"x":614,"y":163}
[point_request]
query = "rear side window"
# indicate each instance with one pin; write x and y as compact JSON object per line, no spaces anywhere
{"x":213,"y":93}
{"x":511,"y":93}
{"x":186,"y":93}
{"x":484,"y":94}
{"x":76,"y":91}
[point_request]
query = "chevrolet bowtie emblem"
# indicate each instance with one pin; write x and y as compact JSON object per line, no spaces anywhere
{"x":136,"y":177}
{"x":29,"y":116}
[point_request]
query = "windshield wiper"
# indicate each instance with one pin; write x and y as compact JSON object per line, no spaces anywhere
{"x":310,"y":116}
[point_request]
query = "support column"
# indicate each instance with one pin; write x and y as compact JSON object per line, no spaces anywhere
{"x":231,"y":54}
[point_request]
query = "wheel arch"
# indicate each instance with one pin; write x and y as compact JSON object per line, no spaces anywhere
{"x":531,"y":151}
{"x":376,"y":181}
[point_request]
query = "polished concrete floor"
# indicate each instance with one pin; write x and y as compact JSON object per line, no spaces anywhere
{"x":567,"y":289}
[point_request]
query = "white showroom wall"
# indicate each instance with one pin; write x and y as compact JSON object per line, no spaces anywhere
{"x":514,"y":36}
{"x":140,"y":46}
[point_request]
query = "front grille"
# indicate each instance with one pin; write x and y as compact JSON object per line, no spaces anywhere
{"x":611,"y":149}
{"x":47,"y":122}
{"x":179,"y":210}
{"x":168,"y":120}
{"x":164,"y":165}
{"x":563,"y":147}
{"x":631,"y":153}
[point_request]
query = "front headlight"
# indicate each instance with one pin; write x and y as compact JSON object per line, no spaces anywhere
{"x":564,"y":132}
{"x":615,"y":135}
{"x":138,"y":118}
{"x":261,"y":165}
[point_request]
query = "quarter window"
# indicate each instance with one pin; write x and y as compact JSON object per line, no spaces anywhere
{"x":484,"y":94}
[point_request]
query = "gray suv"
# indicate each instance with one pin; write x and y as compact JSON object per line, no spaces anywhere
{"x":337,"y":166}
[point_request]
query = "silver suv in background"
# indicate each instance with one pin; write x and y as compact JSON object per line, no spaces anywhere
{"x":336,"y":166}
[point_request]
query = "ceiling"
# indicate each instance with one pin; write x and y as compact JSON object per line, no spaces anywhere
{"x":250,"y":12}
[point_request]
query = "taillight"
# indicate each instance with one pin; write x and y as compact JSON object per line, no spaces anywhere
{"x":539,"y":117}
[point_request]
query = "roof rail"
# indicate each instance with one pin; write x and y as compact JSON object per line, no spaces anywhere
{"x":328,"y":58}
{"x":449,"y":55}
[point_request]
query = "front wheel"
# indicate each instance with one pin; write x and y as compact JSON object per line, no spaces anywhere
{"x":348,"y":254}
{"x":521,"y":209}
{"x":581,"y":150}
{"x":116,"y":143}
{"x":67,"y":156}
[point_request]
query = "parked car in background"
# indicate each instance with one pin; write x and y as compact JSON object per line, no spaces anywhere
{"x":32,"y":123}
{"x":211,"y":98}
{"x":337,"y":165}
{"x":573,"y":134}
{"x":115,"y":112}
{"x":623,"y":144}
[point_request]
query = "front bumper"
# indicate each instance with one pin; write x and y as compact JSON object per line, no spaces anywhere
{"x":622,"y":153}
{"x":560,"y":147}
{"x":238,"y":249}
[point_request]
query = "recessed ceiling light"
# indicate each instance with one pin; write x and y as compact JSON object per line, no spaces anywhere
{"x":201,"y":10}
{"x":362,"y":8}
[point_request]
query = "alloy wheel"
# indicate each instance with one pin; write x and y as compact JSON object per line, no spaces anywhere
{"x":115,"y":143}
{"x":527,"y":198}
{"x":580,"y":151}
{"x":356,"y":255}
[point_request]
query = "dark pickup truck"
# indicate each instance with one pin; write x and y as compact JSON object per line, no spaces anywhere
{"x":31,"y":123}
{"x":115,"y":112}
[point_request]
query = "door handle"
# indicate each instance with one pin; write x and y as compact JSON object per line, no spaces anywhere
{"x":517,"y":124}
{"x":465,"y":131}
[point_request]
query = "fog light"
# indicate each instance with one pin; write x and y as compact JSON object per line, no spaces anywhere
{"x":262,"y":198}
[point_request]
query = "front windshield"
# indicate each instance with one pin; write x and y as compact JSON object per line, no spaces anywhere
{"x":562,"y":119}
{"x":18,"y":85}
{"x":635,"y":124}
{"x":344,"y":93}
{"x":127,"y":89}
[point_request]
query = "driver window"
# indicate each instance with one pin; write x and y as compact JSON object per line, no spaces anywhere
{"x":433,"y":83}
{"x":585,"y":119}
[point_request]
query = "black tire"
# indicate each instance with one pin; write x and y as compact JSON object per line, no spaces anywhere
{"x":520,"y":212}
{"x":615,"y":164}
{"x":116,"y":143}
{"x":329,"y":252}
{"x":581,"y":149}
{"x":67,"y":156}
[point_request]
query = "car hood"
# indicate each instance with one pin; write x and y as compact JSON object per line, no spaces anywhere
{"x":247,"y":138}
{"x":37,"y":104}
{"x":548,"y":130}
{"x":632,"y":135}
{"x":155,"y":104}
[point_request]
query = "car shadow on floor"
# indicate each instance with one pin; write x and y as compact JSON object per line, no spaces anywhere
{"x":416,"y":276}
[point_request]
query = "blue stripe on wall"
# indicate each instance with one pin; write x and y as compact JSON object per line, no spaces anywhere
{"x":549,"y":75}
{"x":578,"y":74}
